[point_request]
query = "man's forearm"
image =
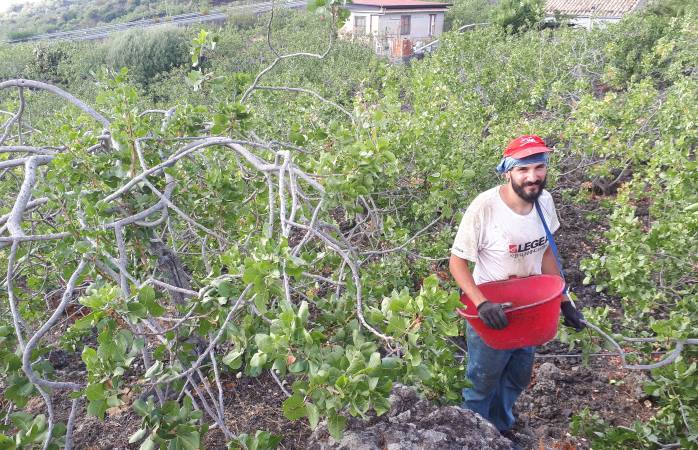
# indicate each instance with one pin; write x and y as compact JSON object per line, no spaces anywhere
{"x":549,"y":265}
{"x":461,"y":273}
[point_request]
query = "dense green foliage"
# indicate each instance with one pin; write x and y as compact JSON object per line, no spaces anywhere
{"x":465,"y":12}
{"x":423,"y":144}
{"x":517,"y":16}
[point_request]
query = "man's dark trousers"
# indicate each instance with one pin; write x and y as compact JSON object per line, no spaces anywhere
{"x":498,"y":377}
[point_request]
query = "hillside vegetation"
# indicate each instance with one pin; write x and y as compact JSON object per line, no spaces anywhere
{"x":49,"y":16}
{"x":228,"y":227}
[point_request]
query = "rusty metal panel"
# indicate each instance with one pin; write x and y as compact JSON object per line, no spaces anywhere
{"x":406,"y":47}
{"x":400,"y":47}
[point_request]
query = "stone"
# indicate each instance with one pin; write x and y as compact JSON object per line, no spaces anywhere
{"x":549,"y":371}
{"x":414,"y":424}
{"x":635,"y":382}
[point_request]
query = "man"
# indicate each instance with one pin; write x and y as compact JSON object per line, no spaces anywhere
{"x":501,"y":232}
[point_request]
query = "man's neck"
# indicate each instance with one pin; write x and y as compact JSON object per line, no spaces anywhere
{"x":513,"y":201}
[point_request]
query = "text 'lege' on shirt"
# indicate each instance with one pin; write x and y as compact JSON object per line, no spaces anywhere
{"x":501,"y":242}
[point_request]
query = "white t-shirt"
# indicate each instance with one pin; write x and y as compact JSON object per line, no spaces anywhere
{"x":501,"y":242}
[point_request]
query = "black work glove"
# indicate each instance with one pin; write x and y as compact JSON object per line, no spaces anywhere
{"x":573,"y":318}
{"x":492,"y":314}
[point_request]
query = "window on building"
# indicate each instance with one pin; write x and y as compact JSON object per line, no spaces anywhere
{"x":432,"y":24}
{"x":360,"y":24}
{"x":405,"y":25}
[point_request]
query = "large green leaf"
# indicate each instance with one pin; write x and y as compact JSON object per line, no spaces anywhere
{"x":294,"y":407}
{"x":336,"y":425}
{"x":185,"y":441}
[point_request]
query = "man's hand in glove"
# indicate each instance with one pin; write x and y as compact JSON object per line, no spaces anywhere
{"x":573,"y":318}
{"x":492,"y":314}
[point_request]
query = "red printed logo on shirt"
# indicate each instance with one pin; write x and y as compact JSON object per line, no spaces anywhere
{"x":528,"y":248}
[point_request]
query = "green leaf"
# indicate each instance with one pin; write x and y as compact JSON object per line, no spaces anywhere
{"x":137,"y":436}
{"x":415,"y":356}
{"x":381,"y":405}
{"x":148,"y":444}
{"x":313,"y":415}
{"x":375,"y":360}
{"x":265,"y":343}
{"x":336,"y":425}
{"x":225,"y":289}
{"x":21,"y":419}
{"x":113,"y":401}
{"x":141,"y":408}
{"x":260,"y":302}
{"x":137,"y":310}
{"x":155,"y":309}
{"x":146,"y":294}
{"x":422,"y":372}
{"x":299,"y":366}
{"x":233,"y":358}
{"x":303,"y":311}
{"x":97,"y":408}
{"x":95,"y":392}
{"x":294,"y":407}
{"x":391,"y":362}
{"x":19,"y":391}
{"x":84,"y":323}
{"x":185,"y":441}
{"x":154,"y":370}
{"x":258,"y":360}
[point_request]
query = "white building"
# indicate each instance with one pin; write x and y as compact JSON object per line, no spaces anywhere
{"x":395,"y":26}
{"x":590,"y":13}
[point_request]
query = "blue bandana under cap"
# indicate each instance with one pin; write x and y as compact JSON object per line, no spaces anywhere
{"x":506,"y":164}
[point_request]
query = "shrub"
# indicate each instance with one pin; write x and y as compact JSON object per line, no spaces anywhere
{"x":148,"y":53}
{"x":20,"y":34}
{"x":46,"y":59}
{"x":671,"y":8}
{"x":517,"y":16}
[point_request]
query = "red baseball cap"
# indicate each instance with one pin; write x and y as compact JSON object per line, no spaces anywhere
{"x":526,"y":145}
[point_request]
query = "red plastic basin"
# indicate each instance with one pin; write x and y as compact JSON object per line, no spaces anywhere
{"x":533,"y":318}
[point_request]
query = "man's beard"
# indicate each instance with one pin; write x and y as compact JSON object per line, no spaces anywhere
{"x":529,"y":197}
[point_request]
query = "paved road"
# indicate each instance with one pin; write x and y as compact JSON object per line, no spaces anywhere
{"x":100,"y":32}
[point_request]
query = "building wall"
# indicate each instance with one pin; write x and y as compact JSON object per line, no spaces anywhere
{"x":350,"y":25}
{"x":389,"y":24}
{"x":381,"y":29}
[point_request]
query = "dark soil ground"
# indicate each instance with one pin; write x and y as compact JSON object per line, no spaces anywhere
{"x":251,"y":404}
{"x":562,"y":385}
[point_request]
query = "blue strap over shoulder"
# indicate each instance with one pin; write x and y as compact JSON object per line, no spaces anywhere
{"x":551,"y":241}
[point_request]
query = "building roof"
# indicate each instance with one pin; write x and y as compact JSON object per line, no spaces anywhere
{"x":601,"y":8}
{"x":399,"y":4}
